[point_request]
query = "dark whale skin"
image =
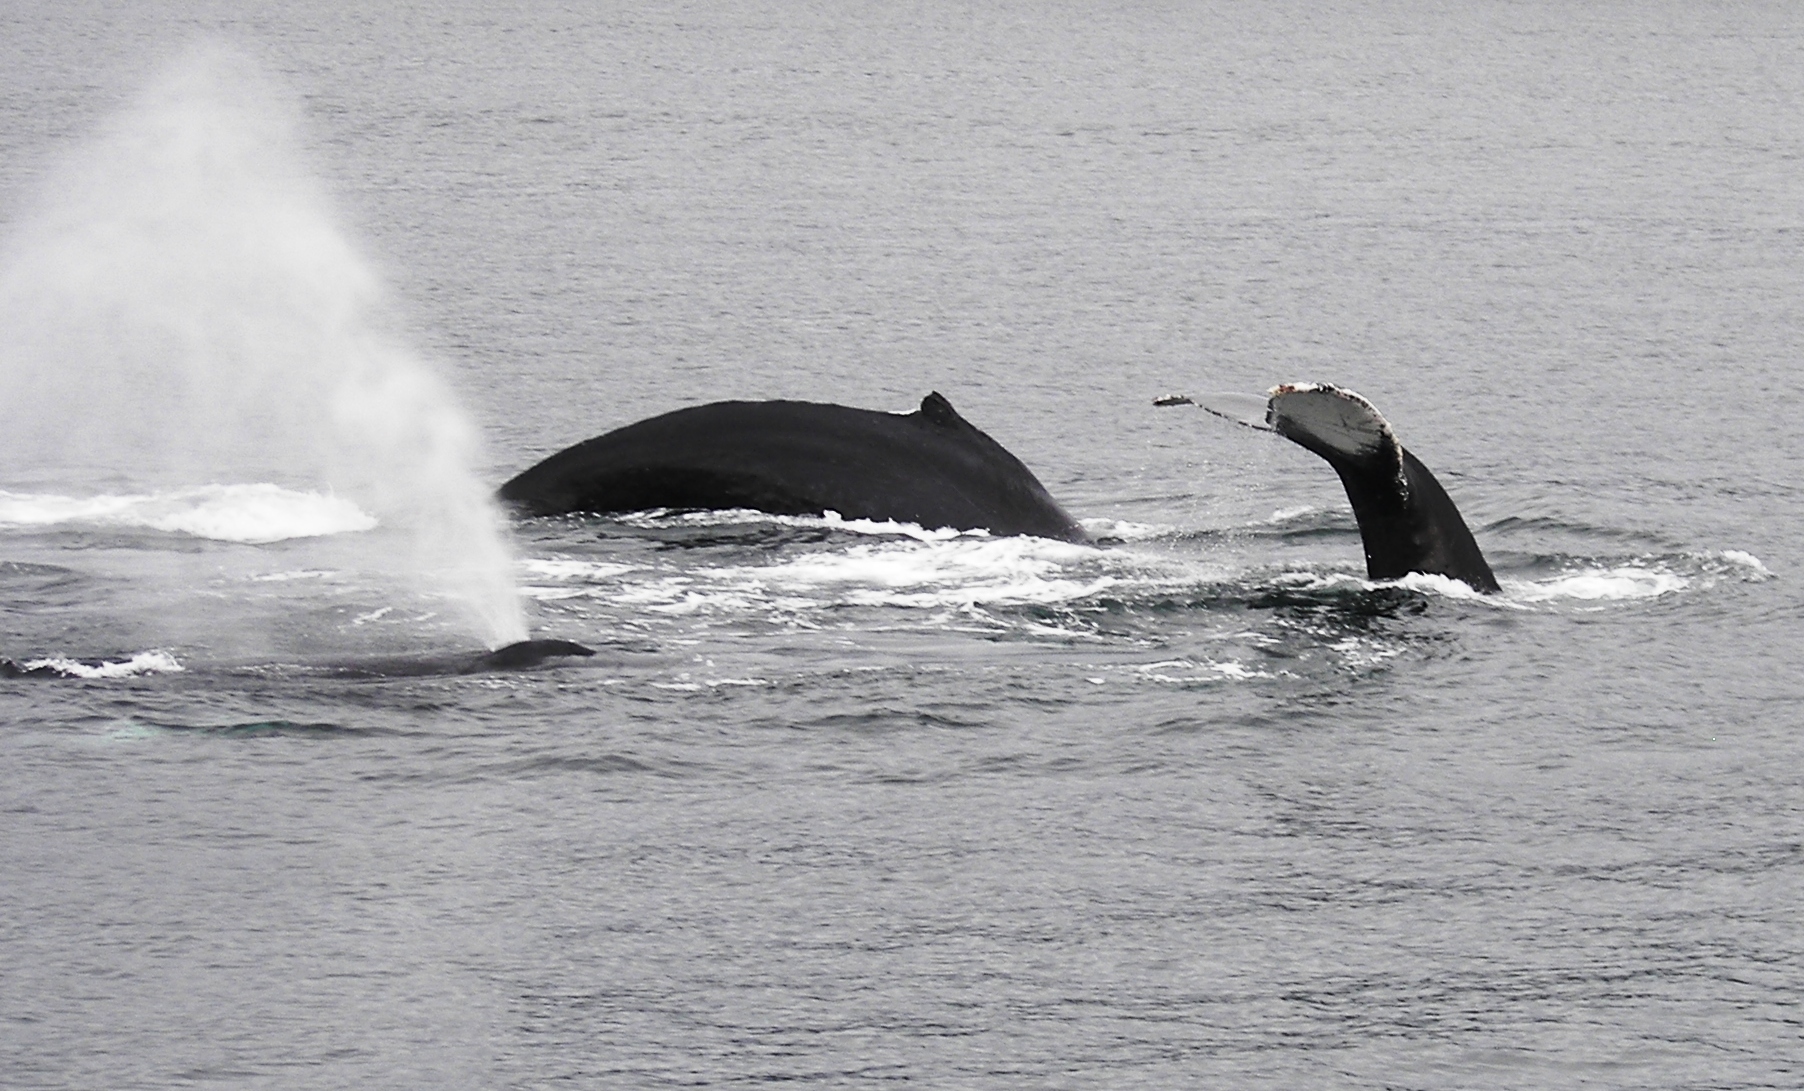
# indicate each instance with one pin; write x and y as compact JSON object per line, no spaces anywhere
{"x":525,"y":654}
{"x":930,"y":467}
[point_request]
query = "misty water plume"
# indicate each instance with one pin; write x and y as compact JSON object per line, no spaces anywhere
{"x":181,"y":310}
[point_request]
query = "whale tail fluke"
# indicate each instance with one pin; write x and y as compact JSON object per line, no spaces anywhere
{"x":1407,"y":522}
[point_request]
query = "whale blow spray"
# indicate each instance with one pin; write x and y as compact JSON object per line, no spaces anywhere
{"x":181,"y":309}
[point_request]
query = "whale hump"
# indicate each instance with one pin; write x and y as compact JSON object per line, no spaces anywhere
{"x":930,"y":467}
{"x":525,"y":654}
{"x":1407,"y":522}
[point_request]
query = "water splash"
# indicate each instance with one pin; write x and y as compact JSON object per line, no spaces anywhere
{"x":151,"y":662}
{"x":182,"y":310}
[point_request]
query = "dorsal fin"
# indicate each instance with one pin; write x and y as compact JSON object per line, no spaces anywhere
{"x":939,"y":411}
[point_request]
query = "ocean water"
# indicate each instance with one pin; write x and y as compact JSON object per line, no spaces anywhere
{"x":288,"y":288}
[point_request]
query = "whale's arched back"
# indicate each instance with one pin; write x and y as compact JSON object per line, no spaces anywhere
{"x":930,"y":467}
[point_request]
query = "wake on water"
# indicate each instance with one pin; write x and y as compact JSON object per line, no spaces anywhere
{"x":682,"y":579}
{"x":864,"y":563}
{"x":191,"y":345}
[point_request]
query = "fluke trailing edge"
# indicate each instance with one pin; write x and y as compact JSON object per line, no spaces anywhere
{"x":1406,"y":520}
{"x":930,"y":467}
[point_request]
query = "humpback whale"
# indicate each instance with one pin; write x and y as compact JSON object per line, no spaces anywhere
{"x":930,"y":467}
{"x":934,"y":468}
{"x":1407,"y":522}
{"x":520,"y":655}
{"x":524,"y":654}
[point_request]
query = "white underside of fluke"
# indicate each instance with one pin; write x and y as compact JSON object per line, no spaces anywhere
{"x":1339,"y":419}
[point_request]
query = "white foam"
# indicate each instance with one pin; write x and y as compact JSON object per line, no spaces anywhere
{"x":1622,"y":583}
{"x":1357,"y":652}
{"x":1445,"y":586}
{"x":1600,"y":585}
{"x":986,"y":571}
{"x":252,"y":514}
{"x":957,"y":572}
{"x":564,"y":568}
{"x":554,"y":578}
{"x":658,"y":518}
{"x":1303,"y":580}
{"x":1742,"y":559}
{"x":1181,"y":671}
{"x":1125,"y":531}
{"x":152,"y":662}
{"x":1284,"y":515}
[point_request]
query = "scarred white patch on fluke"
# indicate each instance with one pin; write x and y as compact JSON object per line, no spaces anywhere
{"x":1328,"y":416}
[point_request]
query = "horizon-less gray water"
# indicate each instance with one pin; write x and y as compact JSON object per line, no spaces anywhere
{"x":846,"y":804}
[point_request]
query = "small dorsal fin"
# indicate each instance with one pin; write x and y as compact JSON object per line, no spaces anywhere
{"x":938,"y":410}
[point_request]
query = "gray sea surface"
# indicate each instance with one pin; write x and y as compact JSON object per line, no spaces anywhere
{"x":843,"y":804}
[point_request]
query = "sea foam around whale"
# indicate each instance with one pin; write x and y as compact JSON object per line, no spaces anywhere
{"x":151,"y":662}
